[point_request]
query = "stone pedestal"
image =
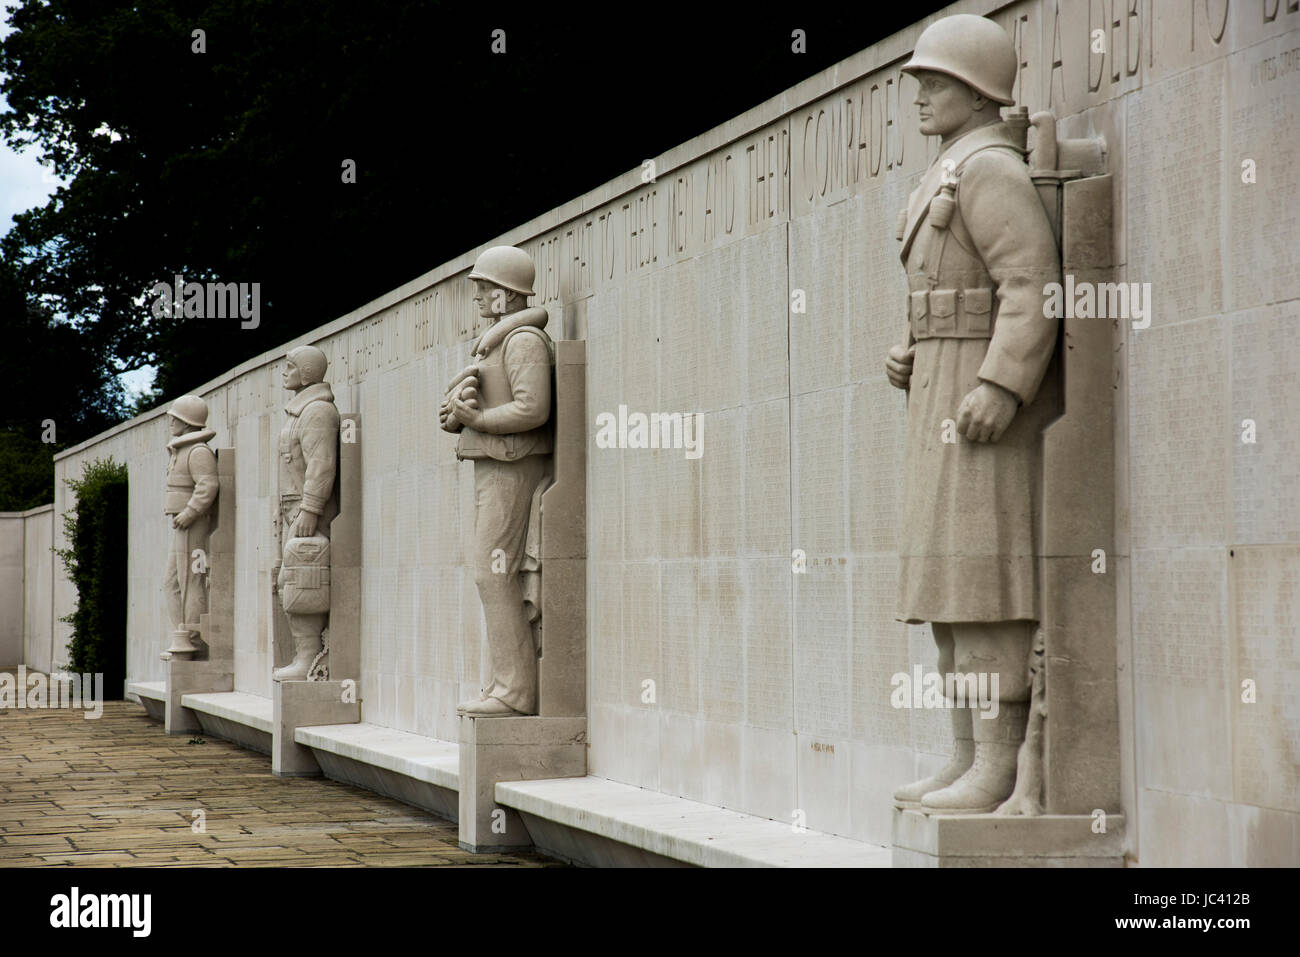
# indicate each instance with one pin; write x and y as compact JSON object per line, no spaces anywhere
{"x":193,"y":677}
{"x":214,"y":669}
{"x":525,"y":748}
{"x":985,"y":840}
{"x":300,"y":704}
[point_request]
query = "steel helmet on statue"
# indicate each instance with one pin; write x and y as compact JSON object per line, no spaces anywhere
{"x":972,"y":49}
{"x":507,"y":267}
{"x":190,"y":409}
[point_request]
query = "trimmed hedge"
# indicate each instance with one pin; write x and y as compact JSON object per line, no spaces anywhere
{"x":95,"y":561}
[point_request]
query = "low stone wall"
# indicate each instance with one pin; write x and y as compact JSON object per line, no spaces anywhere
{"x":27,"y":567}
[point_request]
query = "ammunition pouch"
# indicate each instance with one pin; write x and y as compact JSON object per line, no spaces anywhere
{"x":951,"y":313}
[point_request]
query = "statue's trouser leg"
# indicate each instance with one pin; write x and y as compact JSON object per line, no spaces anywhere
{"x":502,"y":495}
{"x":181,"y":579}
{"x":194,"y":583}
{"x":992,"y":649}
{"x":963,"y":751}
{"x":176,"y":563}
{"x":304,"y":629}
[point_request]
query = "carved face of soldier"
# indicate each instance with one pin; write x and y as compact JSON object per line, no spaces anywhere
{"x":947,"y":105}
{"x":292,"y":376}
{"x":494,"y":301}
{"x":177,"y":426}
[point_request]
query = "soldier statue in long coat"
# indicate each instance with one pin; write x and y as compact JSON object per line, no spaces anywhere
{"x":978,"y":248}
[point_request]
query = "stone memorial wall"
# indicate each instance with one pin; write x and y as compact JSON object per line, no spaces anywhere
{"x":27,"y":574}
{"x":741,"y":635}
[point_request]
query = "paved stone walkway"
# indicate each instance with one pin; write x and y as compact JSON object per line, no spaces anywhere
{"x":120,"y":792}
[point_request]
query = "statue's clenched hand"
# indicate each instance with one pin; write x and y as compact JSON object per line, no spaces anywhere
{"x":304,"y":526}
{"x":470,"y":415}
{"x":986,"y":412}
{"x":898,"y":366}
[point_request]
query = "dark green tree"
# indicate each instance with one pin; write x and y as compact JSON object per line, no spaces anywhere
{"x":96,"y":563}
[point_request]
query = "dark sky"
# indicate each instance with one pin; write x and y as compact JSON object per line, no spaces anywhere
{"x":594,"y":95}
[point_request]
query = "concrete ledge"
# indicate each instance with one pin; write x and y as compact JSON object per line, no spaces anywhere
{"x":564,"y":815}
{"x":421,"y":771}
{"x":151,"y":694}
{"x":985,"y":840}
{"x":235,"y":716}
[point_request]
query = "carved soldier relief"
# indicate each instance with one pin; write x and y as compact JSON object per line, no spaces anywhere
{"x":188,"y":498}
{"x":501,"y":407}
{"x":308,"y":457}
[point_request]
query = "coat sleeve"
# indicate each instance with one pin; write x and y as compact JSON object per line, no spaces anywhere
{"x":203,"y":468}
{"x":1001,"y":210}
{"x":528,"y":367}
{"x":320,"y":449}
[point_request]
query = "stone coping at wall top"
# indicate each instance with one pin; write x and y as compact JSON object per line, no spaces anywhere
{"x":39,"y":509}
{"x":861,"y":64}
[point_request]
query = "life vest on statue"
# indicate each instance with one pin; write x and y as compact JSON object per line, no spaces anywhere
{"x":494,"y":391}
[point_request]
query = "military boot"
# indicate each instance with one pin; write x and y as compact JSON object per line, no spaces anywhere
{"x":992,"y":775}
{"x":306,"y":646}
{"x":963,"y":753}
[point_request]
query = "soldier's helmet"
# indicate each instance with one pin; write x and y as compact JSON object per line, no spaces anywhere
{"x":190,"y":409}
{"x":973,"y":49}
{"x":507,"y":267}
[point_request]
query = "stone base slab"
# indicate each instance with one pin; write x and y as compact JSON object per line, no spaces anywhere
{"x":608,"y":824}
{"x":409,"y":767}
{"x":524,"y":748}
{"x":984,"y":840}
{"x":298,"y":704}
{"x":585,"y":849}
{"x":235,"y":716}
{"x":152,"y":695}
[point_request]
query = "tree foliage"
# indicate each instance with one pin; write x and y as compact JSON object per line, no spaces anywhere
{"x":96,"y":562}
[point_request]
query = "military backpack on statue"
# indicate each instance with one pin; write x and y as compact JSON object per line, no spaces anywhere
{"x":304,"y":580}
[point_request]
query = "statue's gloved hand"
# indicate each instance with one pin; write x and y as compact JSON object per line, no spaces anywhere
{"x":471,"y":416}
{"x":184,"y":518}
{"x":304,"y":525}
{"x":986,"y":412}
{"x":898,"y":366}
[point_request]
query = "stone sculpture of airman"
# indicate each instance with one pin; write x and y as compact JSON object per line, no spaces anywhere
{"x":308,"y":453}
{"x":188,"y":497}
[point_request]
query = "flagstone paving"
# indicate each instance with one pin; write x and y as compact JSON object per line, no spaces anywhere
{"x":119,"y":792}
